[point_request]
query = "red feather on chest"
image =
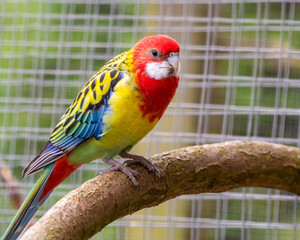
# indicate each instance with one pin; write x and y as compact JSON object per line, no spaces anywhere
{"x":156,"y":86}
{"x":156,"y":94}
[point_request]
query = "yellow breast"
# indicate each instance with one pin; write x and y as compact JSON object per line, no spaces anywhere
{"x":124,"y":124}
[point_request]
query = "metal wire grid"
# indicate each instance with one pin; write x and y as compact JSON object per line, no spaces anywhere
{"x":239,"y":81}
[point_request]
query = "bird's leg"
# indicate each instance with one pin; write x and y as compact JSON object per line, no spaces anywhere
{"x":140,"y":159}
{"x":116,"y":166}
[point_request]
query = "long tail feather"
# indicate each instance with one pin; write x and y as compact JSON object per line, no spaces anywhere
{"x":29,"y":206}
{"x":52,"y":175}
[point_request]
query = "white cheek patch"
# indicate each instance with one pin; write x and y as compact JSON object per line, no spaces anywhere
{"x":157,"y":70}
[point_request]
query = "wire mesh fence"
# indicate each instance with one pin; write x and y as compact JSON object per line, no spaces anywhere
{"x":240,"y":80}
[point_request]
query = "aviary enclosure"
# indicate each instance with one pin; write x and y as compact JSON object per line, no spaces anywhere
{"x":239,"y":80}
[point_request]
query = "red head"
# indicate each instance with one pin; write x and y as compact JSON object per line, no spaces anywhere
{"x":156,"y":65}
{"x":157,"y":56}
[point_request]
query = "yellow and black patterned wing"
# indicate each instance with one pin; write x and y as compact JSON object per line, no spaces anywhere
{"x":84,"y":118}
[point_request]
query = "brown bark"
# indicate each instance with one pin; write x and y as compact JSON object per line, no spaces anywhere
{"x":198,"y":169}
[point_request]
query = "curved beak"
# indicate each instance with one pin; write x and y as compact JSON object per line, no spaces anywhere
{"x":173,"y":60}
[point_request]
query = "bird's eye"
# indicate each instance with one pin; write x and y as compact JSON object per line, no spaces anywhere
{"x":172,"y":54}
{"x":154,"y":53}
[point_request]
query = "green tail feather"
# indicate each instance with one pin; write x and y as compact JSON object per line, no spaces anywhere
{"x":29,"y":207}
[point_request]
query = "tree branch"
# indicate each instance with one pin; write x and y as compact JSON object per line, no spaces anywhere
{"x":199,"y":169}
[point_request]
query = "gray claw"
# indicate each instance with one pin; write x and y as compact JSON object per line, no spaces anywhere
{"x":140,"y":159}
{"x":116,"y":166}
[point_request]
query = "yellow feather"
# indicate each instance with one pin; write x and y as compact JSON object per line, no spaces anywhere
{"x":124,"y":112}
{"x":124,"y":126}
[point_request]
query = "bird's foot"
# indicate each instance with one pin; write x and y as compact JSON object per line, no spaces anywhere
{"x":140,"y":159}
{"x":116,"y":166}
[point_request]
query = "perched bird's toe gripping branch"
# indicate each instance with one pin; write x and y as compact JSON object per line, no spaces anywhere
{"x":115,"y":109}
{"x":140,"y":159}
{"x":116,"y":166}
{"x":132,"y":174}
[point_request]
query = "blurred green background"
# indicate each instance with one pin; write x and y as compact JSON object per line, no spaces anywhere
{"x":240,"y":80}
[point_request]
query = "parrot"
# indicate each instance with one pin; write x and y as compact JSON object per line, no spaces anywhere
{"x":115,"y":109}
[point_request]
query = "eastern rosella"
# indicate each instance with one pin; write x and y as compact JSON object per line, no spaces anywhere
{"x":115,"y":109}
